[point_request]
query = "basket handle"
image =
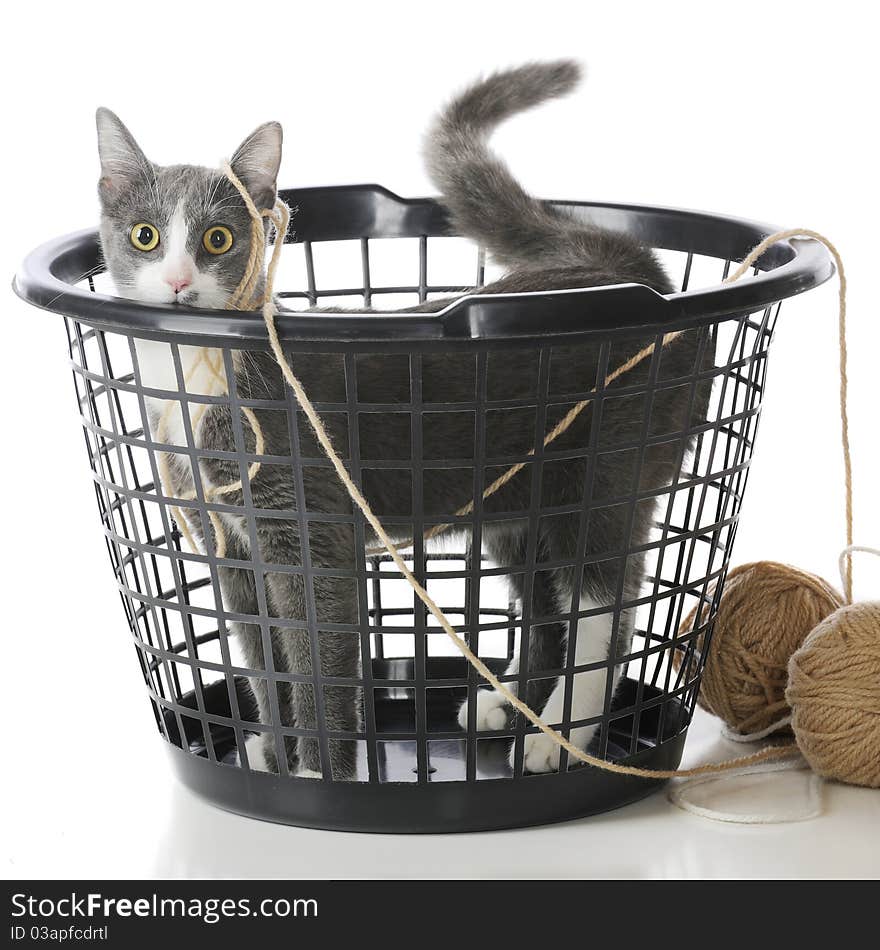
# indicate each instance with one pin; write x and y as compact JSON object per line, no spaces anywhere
{"x":567,"y":311}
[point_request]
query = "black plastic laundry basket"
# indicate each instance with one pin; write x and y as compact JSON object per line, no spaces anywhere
{"x":417,"y":769}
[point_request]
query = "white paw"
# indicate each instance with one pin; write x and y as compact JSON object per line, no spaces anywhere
{"x":491,"y":711}
{"x":307,"y":773}
{"x":541,"y":754}
{"x":255,"y":756}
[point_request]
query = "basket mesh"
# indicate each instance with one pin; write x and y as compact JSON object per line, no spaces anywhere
{"x":411,"y":680}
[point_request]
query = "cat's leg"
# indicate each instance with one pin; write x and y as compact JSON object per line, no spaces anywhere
{"x":335,"y":601}
{"x":601,"y":637}
{"x":595,"y":635}
{"x":331,"y":546}
{"x":493,"y":709}
{"x":545,"y":644}
{"x":541,"y":754}
{"x":339,"y":657}
{"x":240,"y":597}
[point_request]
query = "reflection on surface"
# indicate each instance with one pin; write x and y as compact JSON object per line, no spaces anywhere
{"x":650,"y":839}
{"x":203,"y":841}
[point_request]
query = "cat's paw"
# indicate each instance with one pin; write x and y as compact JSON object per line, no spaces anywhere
{"x":492,"y":711}
{"x":256,"y":754}
{"x":540,"y":754}
{"x":307,"y":773}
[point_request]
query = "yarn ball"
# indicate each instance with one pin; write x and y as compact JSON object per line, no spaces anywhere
{"x":766,"y":612}
{"x":834,"y":694}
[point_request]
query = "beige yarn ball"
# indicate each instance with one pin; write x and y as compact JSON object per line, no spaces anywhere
{"x":834,"y":694}
{"x":766,"y":612}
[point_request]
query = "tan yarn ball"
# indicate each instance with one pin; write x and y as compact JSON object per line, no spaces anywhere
{"x":834,"y":694}
{"x":766,"y":612}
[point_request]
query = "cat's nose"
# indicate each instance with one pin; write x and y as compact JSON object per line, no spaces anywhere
{"x":178,"y":283}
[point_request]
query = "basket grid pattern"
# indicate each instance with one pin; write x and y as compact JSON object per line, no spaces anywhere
{"x":198,"y":686}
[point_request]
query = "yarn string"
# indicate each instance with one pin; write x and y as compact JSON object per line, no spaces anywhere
{"x":269,"y":314}
{"x":203,"y":358}
{"x":733,"y":736}
{"x":845,"y":560}
{"x":557,"y":430}
{"x":679,"y":795}
{"x":279,"y":216}
{"x":241,"y":298}
{"x":748,"y":261}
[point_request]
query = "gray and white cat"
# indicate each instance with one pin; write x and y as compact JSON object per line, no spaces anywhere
{"x":180,"y":233}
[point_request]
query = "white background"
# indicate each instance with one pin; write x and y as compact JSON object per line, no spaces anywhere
{"x":764,"y":111}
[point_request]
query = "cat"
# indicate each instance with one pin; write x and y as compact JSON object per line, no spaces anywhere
{"x":180,"y":234}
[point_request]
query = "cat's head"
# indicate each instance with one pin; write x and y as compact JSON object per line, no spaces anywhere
{"x":179,"y":233}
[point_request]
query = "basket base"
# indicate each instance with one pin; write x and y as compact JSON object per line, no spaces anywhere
{"x":445,"y":803}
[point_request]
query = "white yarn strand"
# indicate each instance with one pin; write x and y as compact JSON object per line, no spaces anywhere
{"x":678,"y":794}
{"x":845,"y":554}
{"x":728,"y":733}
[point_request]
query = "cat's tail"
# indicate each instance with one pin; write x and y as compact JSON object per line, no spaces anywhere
{"x":487,"y":204}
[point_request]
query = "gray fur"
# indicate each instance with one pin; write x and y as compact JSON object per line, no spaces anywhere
{"x":542,"y":250}
{"x":133,"y":189}
{"x":521,"y":232}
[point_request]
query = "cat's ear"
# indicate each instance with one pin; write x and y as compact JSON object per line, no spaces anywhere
{"x":256,"y":162}
{"x":122,"y":160}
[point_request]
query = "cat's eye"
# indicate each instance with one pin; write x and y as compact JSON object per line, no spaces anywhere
{"x":145,"y":237}
{"x":217,"y":240}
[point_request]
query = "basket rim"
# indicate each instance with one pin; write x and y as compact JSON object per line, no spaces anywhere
{"x":350,"y":212}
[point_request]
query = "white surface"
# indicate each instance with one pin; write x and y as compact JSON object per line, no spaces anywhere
{"x":125,"y":816}
{"x":684,"y":105}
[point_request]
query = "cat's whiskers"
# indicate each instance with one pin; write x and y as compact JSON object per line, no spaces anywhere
{"x":247,"y":363}
{"x":91,"y":272}
{"x":211,"y":193}
{"x":228,"y":201}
